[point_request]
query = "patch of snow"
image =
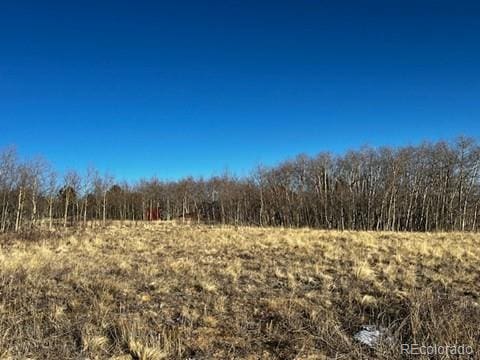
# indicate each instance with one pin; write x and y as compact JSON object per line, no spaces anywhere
{"x":371,"y":335}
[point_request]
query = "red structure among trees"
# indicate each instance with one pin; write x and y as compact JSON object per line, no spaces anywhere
{"x":152,"y":214}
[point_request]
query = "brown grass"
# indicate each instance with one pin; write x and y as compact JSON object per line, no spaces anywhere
{"x":165,"y":291}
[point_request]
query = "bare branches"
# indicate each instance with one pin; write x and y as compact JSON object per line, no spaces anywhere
{"x":429,"y":187}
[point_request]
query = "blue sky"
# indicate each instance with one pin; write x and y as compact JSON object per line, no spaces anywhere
{"x":143,"y":88}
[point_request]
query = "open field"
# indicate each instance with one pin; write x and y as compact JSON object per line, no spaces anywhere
{"x":155,"y":291}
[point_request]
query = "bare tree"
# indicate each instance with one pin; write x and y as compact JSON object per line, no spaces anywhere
{"x":69,"y":194}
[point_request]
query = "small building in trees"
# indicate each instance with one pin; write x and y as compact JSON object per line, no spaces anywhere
{"x":152,"y":214}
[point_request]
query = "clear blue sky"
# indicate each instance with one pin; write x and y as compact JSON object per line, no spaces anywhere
{"x":174,"y":88}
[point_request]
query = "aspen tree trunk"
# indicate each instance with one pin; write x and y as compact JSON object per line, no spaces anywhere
{"x":50,"y":213}
{"x":22,"y":205}
{"x":389,"y":212}
{"x":4,"y":217}
{"x":168,"y":209}
{"x":342,"y":216}
{"x":325,"y":200}
{"x":464,"y":214}
{"x":394,"y":216}
{"x":65,"y":214}
{"x":34,"y":204}
{"x":104,"y":208}
{"x":4,"y":212}
{"x":474,"y":224}
{"x":370,"y":219}
{"x":213,"y":214}
{"x":380,"y":220}
{"x":261,"y":206}
{"x":19,"y":209}
{"x":183,"y":209}
{"x":125,"y":210}
{"x":468,"y":191}
{"x":245,"y":215}
{"x":223,"y":212}
{"x":85,"y":211}
{"x":197,"y":211}
{"x":237,"y":215}
{"x":426,"y":217}
{"x":78,"y":212}
{"x":423,"y":215}
{"x":437,"y":214}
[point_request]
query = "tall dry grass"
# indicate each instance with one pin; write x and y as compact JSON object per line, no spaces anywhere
{"x":165,"y":291}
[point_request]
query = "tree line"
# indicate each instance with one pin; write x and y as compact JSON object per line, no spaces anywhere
{"x":428,"y":187}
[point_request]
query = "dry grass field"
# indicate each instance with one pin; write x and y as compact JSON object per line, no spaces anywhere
{"x":167,"y":291}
